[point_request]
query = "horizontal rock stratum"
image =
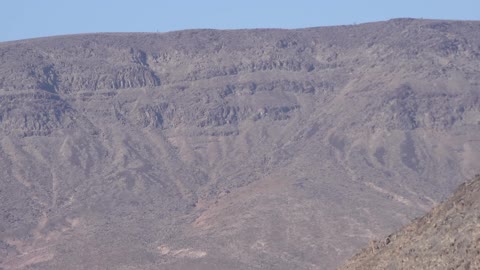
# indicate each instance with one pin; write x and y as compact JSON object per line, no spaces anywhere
{"x":237,"y":149}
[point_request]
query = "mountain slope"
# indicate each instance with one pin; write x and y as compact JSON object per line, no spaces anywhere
{"x":447,"y":238}
{"x":245,"y":149}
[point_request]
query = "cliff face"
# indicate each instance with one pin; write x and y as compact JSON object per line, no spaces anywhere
{"x":446,"y":238}
{"x":246,"y":149}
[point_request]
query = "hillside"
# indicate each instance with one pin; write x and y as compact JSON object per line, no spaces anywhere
{"x":236,"y":149}
{"x":446,"y":238}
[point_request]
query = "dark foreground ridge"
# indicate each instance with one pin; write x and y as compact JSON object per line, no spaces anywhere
{"x":446,"y":238}
{"x":245,"y":149}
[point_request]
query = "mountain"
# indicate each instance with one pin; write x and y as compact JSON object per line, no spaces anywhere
{"x":237,"y":149}
{"x":446,"y":238}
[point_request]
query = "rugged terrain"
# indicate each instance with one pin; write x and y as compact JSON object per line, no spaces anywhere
{"x":446,"y":238}
{"x":245,"y":149}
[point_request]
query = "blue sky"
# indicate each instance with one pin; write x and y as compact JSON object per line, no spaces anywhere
{"x":20,"y":19}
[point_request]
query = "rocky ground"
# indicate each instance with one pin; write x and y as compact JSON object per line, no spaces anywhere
{"x":446,"y":238}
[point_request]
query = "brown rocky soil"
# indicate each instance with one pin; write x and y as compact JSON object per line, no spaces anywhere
{"x":446,"y":238}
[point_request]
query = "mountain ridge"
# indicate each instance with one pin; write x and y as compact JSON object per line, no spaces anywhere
{"x":399,"y":19}
{"x":255,"y":149}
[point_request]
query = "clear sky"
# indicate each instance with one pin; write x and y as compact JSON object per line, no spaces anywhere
{"x":20,"y":19}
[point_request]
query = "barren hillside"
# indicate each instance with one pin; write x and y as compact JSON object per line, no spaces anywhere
{"x":238,"y":149}
{"x":447,"y":238}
